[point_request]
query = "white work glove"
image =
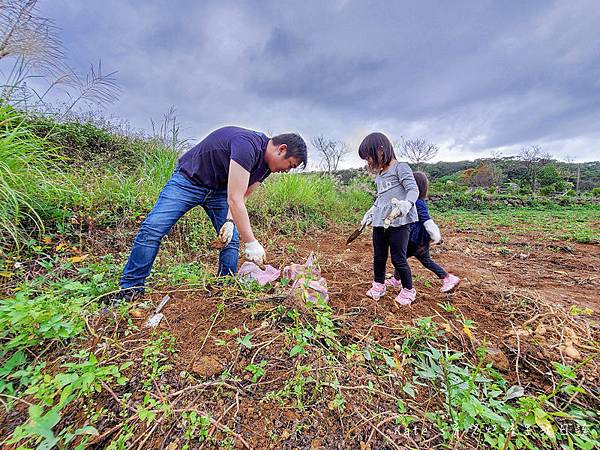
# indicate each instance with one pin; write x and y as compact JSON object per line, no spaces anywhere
{"x":226,"y":233}
{"x":399,"y":208}
{"x":255,"y":253}
{"x":368,"y":217}
{"x":433,"y":230}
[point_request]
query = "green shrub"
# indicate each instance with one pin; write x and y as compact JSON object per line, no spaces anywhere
{"x":525,"y":189}
{"x":84,"y":143}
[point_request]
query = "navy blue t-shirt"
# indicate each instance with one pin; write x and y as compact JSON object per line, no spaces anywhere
{"x":207,"y":164}
{"x":418,"y":233}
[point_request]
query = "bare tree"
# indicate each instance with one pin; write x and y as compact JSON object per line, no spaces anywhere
{"x":533,"y":159}
{"x":571,"y":160}
{"x":331,"y":152}
{"x":496,"y":155}
{"x":417,"y":151}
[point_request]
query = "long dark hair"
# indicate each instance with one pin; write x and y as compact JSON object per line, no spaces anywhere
{"x":422,"y":183}
{"x":370,"y":146}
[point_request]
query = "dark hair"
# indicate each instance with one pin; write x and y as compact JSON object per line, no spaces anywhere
{"x":369,"y":149}
{"x":422,"y":183}
{"x":296,"y":147}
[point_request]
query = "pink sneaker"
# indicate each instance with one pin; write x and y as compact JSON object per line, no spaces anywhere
{"x":406,"y":296}
{"x":392,"y":282}
{"x":450,"y":282}
{"x":377,"y":291}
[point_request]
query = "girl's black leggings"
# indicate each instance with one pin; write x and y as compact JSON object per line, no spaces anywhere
{"x":396,"y":240}
{"x":421,"y":252}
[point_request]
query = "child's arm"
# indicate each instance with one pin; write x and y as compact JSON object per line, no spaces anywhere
{"x":422,"y":211}
{"x":368,"y":217}
{"x":433,"y":231}
{"x":408,"y":182}
{"x":430,"y":226}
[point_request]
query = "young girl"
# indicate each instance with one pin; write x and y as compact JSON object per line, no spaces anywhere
{"x":397,"y":192}
{"x":421,"y":233}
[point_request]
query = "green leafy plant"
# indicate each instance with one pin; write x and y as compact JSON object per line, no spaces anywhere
{"x":257,"y":370}
{"x":195,"y":426}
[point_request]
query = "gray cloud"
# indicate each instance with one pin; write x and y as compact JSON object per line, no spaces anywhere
{"x":471,"y":76}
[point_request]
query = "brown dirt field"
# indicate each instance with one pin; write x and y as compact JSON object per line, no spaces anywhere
{"x":493,"y":277}
{"x":506,"y":289}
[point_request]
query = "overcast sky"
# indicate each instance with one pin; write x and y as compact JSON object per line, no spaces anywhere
{"x":471,"y":76}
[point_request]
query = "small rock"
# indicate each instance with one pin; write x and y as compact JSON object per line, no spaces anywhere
{"x":207,"y":366}
{"x":572,"y":353}
{"x":136,"y":313}
{"x":570,"y":333}
{"x":498,"y":359}
{"x":316,"y":444}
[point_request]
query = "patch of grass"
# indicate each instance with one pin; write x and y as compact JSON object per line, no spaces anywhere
{"x":31,"y":187}
{"x":107,"y":194}
{"x":578,"y":224}
{"x":289,"y":203}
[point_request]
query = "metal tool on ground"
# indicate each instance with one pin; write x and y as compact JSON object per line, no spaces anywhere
{"x":155,"y":319}
{"x":355,"y":234}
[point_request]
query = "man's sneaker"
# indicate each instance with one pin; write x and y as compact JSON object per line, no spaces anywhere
{"x":126,"y":295}
{"x":377,"y":291}
{"x":406,"y":296}
{"x":449,"y":283}
{"x":392,"y":282}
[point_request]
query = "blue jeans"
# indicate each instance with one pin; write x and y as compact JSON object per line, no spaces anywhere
{"x":177,"y":197}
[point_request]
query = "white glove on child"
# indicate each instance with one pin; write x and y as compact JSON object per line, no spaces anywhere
{"x":226,"y":233}
{"x":255,"y":253}
{"x":433,"y":230}
{"x":399,"y":208}
{"x":368,"y":217}
{"x":403,"y":205}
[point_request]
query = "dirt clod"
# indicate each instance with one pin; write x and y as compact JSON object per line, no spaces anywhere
{"x":498,"y":359}
{"x":207,"y":367}
{"x":137,"y":313}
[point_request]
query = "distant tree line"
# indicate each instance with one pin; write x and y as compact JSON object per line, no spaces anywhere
{"x":531,"y":171}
